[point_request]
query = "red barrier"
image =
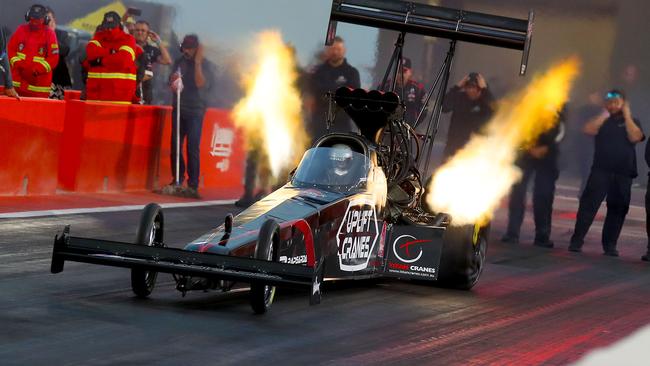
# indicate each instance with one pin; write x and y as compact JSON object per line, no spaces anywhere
{"x":111,"y":147}
{"x":99,"y":147}
{"x":29,"y":145}
{"x":222,"y":153}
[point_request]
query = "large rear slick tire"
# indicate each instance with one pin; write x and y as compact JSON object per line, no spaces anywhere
{"x":463,"y":256}
{"x":261,"y":295}
{"x":150,"y":233}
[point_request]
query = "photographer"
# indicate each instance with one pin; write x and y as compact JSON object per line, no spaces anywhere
{"x":153,"y":52}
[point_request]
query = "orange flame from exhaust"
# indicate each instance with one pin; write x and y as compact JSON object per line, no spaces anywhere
{"x":472,"y":183}
{"x":271,"y":111}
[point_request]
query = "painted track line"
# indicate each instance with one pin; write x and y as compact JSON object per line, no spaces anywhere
{"x":77,"y":211}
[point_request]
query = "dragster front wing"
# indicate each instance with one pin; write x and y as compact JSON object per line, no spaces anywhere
{"x":184,"y":263}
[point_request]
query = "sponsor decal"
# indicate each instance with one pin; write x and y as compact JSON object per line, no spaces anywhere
{"x":41,"y":51}
{"x":357,"y":235}
{"x":408,"y":249}
{"x":312,"y":193}
{"x":21,"y":47}
{"x":405,"y":268}
{"x":300,"y":259}
{"x":221,"y":146}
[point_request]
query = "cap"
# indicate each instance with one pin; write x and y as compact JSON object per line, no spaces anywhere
{"x":111,"y":20}
{"x":190,"y":41}
{"x":614,"y":93}
{"x":406,"y":62}
{"x":472,"y":79}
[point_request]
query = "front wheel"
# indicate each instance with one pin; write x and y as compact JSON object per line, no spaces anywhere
{"x":261,"y":295}
{"x":150,"y":233}
{"x":463,"y":256}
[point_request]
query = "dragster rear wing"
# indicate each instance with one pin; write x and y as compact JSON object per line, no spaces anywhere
{"x":436,"y":21}
{"x":183,"y":262}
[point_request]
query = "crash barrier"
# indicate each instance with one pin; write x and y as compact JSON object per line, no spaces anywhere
{"x":52,"y":146}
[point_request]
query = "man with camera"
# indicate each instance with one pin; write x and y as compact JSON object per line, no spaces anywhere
{"x":614,"y":167}
{"x":471,"y":105}
{"x":153,"y":52}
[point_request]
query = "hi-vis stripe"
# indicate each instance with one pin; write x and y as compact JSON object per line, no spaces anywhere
{"x":95,"y":42}
{"x":111,"y":75}
{"x":34,"y":88}
{"x":108,"y":101}
{"x":42,"y":61}
{"x":129,"y":50}
{"x":39,"y":89}
{"x":19,"y":56}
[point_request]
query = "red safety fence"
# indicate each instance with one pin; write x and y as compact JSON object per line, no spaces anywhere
{"x":51,"y":146}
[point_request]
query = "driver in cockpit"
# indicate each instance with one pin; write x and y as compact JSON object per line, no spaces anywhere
{"x":341,"y":164}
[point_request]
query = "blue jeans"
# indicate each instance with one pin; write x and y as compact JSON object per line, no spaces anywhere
{"x":191,"y":126}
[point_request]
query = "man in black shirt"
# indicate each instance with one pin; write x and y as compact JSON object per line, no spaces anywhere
{"x":539,"y":160}
{"x":613,"y":169}
{"x":413,"y":91}
{"x":196,"y":88}
{"x":60,"y":74}
{"x":471,"y":104}
{"x":153,"y":52}
{"x":334,"y":73}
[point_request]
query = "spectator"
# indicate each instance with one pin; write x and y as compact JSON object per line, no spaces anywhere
{"x":540,"y":160}
{"x":471,"y":104}
{"x":33,"y":51}
{"x":194,"y":78}
{"x":413,"y":92}
{"x":60,"y":74}
{"x":335,"y":72}
{"x":153,"y":52}
{"x":111,"y":56}
{"x":5,"y":71}
{"x":612,"y":171}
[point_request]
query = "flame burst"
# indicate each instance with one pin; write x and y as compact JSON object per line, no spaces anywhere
{"x":271,"y":111}
{"x":471,"y":184}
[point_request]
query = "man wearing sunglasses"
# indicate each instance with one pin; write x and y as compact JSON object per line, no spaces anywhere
{"x":614,"y":166}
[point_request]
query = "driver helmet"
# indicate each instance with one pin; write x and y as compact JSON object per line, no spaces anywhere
{"x":341,"y":157}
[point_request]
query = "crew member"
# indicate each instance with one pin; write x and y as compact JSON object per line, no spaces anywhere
{"x":332,"y":74}
{"x":33,"y":52}
{"x":111,"y":56}
{"x":612,"y":171}
{"x":646,"y":257}
{"x":413,"y":92}
{"x":540,"y":160}
{"x":471,"y":105}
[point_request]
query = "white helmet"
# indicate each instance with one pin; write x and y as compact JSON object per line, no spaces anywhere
{"x":341,"y":157}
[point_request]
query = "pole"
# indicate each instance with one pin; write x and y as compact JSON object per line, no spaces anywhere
{"x":178,"y":130}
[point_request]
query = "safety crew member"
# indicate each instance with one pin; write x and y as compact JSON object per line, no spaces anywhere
{"x":613,"y":169}
{"x":540,"y":160}
{"x":33,"y":51}
{"x":110,"y":60}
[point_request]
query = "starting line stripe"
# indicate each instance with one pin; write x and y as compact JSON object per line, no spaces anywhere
{"x":76,"y":211}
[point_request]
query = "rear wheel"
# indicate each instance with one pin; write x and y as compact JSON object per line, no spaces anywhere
{"x":261,"y":295}
{"x":150,"y":233}
{"x":463,"y":256}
